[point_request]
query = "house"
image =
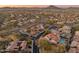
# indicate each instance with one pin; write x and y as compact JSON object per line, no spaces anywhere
{"x":66,"y":29}
{"x":40,"y":27}
{"x":77,"y":33}
{"x":16,"y":46}
{"x":76,"y":36}
{"x":23,"y":45}
{"x":52,"y":38}
{"x":12,"y":47}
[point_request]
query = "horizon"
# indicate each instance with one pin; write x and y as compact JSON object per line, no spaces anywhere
{"x":60,"y":6}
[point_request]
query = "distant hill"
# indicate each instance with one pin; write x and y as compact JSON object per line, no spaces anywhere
{"x":53,"y":7}
{"x":73,"y":8}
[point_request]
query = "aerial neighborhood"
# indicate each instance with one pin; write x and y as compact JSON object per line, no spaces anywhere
{"x":43,"y":30}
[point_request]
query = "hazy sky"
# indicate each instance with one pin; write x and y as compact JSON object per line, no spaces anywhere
{"x":66,"y":6}
{"x":63,"y":6}
{"x":23,"y":5}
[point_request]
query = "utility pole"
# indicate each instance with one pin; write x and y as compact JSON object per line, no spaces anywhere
{"x":34,"y":38}
{"x":33,"y":45}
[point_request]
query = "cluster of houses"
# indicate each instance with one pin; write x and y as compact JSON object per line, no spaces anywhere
{"x":55,"y":37}
{"x":74,"y":47}
{"x":16,"y":46}
{"x":59,"y":35}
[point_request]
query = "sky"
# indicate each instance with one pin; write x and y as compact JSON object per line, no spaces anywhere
{"x":66,"y":6}
{"x":24,"y":5}
{"x":61,"y":6}
{"x":39,"y":3}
